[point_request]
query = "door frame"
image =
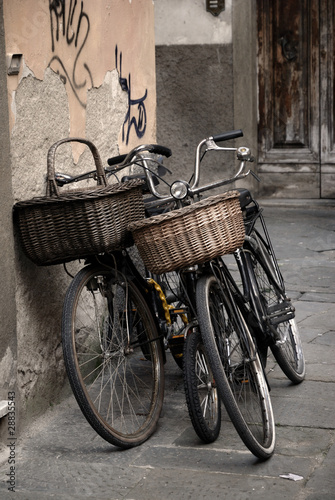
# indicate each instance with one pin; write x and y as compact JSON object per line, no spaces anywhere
{"x":311,"y":166}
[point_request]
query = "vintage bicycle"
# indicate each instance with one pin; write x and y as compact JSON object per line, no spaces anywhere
{"x":117,"y":322}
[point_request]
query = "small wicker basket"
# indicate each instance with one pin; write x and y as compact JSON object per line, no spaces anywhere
{"x":75,"y":224}
{"x":190,"y":235}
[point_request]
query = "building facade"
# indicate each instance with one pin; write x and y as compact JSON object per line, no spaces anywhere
{"x":265,"y":67}
{"x":68,"y":69}
{"x":89,"y":69}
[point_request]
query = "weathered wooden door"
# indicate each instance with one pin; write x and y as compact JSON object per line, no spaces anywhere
{"x":296,"y":98}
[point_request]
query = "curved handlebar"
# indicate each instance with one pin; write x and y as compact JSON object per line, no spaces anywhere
{"x":136,"y":156}
{"x":243,"y":154}
{"x":210,"y":143}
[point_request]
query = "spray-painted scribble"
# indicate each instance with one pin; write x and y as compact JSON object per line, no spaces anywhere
{"x":70,"y":25}
{"x":138,"y":122}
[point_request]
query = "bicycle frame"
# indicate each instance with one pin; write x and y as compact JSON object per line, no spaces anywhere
{"x":121,"y":262}
{"x":255,"y":242}
{"x":221,"y":272}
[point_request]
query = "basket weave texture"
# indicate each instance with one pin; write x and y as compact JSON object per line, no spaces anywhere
{"x":75,"y":224}
{"x":190,"y":235}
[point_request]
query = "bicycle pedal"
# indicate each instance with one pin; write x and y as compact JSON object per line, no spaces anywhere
{"x":280,"y":313}
{"x":176,"y":345}
{"x":178,"y":310}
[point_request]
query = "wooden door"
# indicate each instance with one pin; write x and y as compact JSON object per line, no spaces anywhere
{"x":296,"y":98}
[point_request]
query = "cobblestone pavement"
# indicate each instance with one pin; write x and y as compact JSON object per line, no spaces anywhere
{"x":61,"y":457}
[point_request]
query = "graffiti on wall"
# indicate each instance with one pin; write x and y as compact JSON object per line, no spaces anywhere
{"x":70,"y":25}
{"x":136,"y":116}
{"x":70,"y":28}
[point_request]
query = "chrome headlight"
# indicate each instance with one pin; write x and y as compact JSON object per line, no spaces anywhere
{"x":179,"y":190}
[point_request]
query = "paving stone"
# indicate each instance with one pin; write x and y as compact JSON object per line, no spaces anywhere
{"x":61,"y":457}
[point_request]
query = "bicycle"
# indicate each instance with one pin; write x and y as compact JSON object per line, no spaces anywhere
{"x":103,"y":273}
{"x":114,"y":318}
{"x":249,"y":406}
{"x":223,"y":313}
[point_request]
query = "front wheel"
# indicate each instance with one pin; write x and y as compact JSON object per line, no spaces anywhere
{"x":113,"y":356}
{"x":200,"y":389}
{"x":236,"y":367}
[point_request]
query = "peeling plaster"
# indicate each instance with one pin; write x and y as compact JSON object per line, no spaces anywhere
{"x":105,"y":112}
{"x":26,"y":71}
{"x":8,"y":371}
{"x":42,"y":118}
{"x":45,"y":109}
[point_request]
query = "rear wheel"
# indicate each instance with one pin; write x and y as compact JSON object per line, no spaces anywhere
{"x":286,"y":346}
{"x":236,"y":367}
{"x":200,"y":389}
{"x":112,"y":356}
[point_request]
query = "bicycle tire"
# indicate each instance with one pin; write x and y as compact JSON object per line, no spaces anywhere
{"x":202,"y":397}
{"x":287,"y":346}
{"x":236,"y":367}
{"x":112,"y":356}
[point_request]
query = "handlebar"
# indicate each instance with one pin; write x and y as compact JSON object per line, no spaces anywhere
{"x":117,"y":162}
{"x":243,"y":154}
{"x":137,"y":156}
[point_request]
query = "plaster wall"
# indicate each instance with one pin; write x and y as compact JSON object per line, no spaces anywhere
{"x":206,"y":74}
{"x":87,"y":70}
{"x":7,"y":302}
{"x":194,"y":72}
{"x":188,"y":23}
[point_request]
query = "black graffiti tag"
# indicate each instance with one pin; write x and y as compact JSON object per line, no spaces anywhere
{"x":72,"y":24}
{"x":139,"y":122}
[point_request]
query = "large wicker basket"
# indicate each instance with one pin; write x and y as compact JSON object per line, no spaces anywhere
{"x":190,"y":235}
{"x":66,"y":226}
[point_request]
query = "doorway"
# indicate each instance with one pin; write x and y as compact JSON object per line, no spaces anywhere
{"x":296,"y":139}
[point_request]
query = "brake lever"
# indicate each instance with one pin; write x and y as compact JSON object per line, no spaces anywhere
{"x":212,"y":146}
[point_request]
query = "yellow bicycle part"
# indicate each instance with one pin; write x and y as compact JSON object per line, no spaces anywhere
{"x":167,"y":308}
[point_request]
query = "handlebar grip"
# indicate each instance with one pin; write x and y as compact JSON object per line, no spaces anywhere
{"x":116,"y":160}
{"x":160,"y":150}
{"x":152,"y":148}
{"x":225,"y":136}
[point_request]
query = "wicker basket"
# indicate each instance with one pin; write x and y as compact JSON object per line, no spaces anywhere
{"x":190,"y":235}
{"x":65,"y":226}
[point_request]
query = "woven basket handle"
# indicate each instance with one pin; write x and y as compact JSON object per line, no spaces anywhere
{"x":52,"y":188}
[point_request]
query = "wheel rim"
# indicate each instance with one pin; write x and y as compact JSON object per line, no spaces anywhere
{"x":118,"y":369}
{"x":290,"y":345}
{"x":207,"y":392}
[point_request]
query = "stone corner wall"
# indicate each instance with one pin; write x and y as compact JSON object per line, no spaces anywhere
{"x":86,"y":70}
{"x":7,"y":302}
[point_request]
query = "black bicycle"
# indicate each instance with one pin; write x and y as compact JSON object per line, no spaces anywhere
{"x":200,"y":280}
{"x":227,"y":348}
{"x":117,"y":322}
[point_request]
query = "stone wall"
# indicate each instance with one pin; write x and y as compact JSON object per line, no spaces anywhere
{"x":201,"y":89}
{"x":7,"y":263}
{"x":86,"y":69}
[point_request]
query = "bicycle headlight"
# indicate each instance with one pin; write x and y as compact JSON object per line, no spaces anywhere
{"x":179,"y":190}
